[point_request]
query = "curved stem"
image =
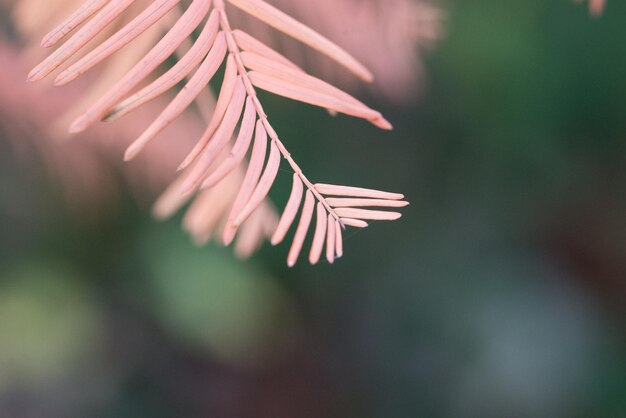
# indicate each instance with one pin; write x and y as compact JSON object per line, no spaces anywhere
{"x":251,"y":91}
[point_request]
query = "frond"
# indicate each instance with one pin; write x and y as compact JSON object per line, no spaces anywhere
{"x":230,"y":191}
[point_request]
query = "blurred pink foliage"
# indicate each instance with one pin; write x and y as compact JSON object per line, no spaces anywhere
{"x":596,"y":7}
{"x":86,"y":165}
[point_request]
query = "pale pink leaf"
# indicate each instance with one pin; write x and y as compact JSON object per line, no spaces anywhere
{"x":333,"y":190}
{"x":330,"y":239}
{"x":291,"y":210}
{"x":353,"y":202}
{"x":307,"y":95}
{"x":374,"y":215}
{"x":338,"y":239}
{"x":320,"y":235}
{"x":302,"y":229}
{"x":356,"y":223}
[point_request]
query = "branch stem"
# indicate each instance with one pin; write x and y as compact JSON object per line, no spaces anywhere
{"x":234,"y":50}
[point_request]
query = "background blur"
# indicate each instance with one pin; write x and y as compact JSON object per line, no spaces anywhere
{"x":501,"y":292}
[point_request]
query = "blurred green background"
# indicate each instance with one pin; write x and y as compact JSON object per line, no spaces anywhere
{"x":500,"y":293}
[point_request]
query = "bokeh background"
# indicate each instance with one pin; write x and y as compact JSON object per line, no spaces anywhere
{"x":500,"y":293}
